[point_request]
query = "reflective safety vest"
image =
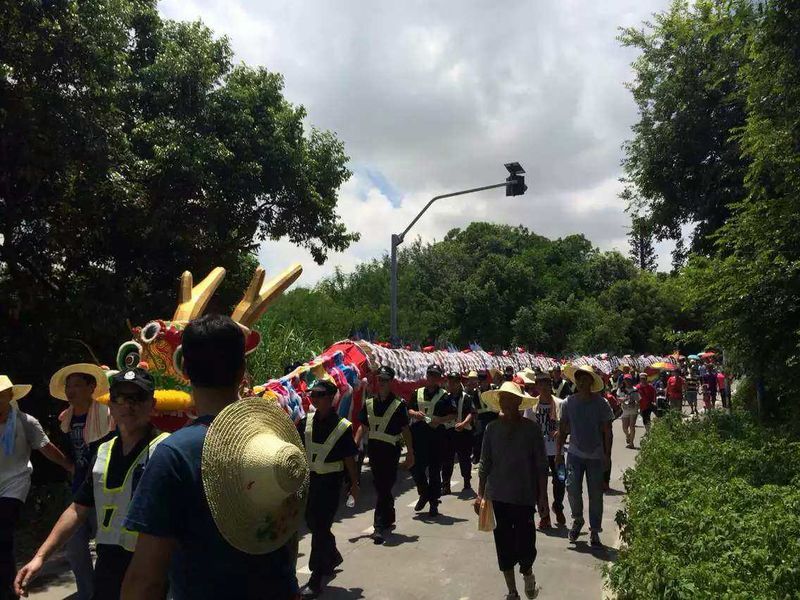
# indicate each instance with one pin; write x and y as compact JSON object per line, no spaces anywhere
{"x":378,"y":425}
{"x":560,"y":389}
{"x":460,"y":416}
{"x":427,"y":407}
{"x":317,"y":454}
{"x":112,"y":503}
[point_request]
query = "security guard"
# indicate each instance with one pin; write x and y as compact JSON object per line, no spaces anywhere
{"x":459,"y":433}
{"x":562,"y":387}
{"x":116,"y":465}
{"x":330,"y":449}
{"x":429,"y":410}
{"x":485,"y":415}
{"x":384,"y":423}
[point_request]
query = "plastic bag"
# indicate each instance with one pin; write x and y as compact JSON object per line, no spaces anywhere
{"x":486,"y":520}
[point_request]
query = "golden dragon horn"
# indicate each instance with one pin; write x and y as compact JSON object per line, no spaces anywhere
{"x":192,"y":300}
{"x":260,"y":295}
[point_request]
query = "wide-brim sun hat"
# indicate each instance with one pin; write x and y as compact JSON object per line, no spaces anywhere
{"x":59,"y":380}
{"x":492,"y":397}
{"x":255,"y":475}
{"x":528,"y":376}
{"x":597,"y":384}
{"x":18,"y":391}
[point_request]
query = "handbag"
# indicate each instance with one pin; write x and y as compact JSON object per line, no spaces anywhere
{"x":486,"y":521}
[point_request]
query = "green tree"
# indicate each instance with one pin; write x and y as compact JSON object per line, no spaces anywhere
{"x":684,"y":163}
{"x":131,"y":148}
{"x":640,"y":238}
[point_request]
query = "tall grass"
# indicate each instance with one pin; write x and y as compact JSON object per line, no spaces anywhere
{"x":281,"y":344}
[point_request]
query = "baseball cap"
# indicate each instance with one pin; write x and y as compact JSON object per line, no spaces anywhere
{"x":385,"y":372}
{"x":324,"y":386}
{"x":453,"y":375}
{"x":434,"y":370}
{"x":137,"y":376}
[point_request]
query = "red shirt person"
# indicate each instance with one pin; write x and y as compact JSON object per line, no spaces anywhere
{"x":675,"y":389}
{"x":647,"y":399}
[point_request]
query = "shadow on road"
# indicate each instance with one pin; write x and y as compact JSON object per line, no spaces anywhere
{"x":342,"y":593}
{"x":605,"y":553}
{"x":396,"y":539}
{"x":440,"y":520}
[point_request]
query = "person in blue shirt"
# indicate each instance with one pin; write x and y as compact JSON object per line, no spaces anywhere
{"x":178,"y":537}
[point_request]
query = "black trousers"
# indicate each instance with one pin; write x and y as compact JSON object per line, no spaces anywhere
{"x":383,"y":461}
{"x":559,"y":487}
{"x":459,"y":444}
{"x":9,"y":516}
{"x":323,"y":502}
{"x":514,"y":536}
{"x":427,"y":471}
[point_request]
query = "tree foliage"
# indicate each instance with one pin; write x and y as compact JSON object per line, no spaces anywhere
{"x":640,"y":238}
{"x":132,"y":148}
{"x":499,"y":286}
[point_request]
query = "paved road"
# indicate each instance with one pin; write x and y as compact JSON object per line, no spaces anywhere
{"x":445,"y":558}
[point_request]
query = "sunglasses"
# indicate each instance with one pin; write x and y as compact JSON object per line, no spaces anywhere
{"x":320,"y":394}
{"x":120,"y":398}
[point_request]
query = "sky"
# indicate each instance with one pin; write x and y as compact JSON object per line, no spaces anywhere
{"x":434,"y":97}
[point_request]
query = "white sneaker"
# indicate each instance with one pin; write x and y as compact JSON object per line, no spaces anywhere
{"x":530,"y":586}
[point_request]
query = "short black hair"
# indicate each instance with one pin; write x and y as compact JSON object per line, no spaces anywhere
{"x":87,"y":378}
{"x":213,"y":351}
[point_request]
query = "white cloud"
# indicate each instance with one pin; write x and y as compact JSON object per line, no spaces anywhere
{"x":435,"y":97}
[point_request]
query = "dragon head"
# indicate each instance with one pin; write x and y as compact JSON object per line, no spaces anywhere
{"x":156,"y":346}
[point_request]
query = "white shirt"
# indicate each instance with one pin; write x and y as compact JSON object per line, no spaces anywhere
{"x":547,"y":423}
{"x":16,"y":469}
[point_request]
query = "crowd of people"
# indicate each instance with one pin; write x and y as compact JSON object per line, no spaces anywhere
{"x":212,"y":510}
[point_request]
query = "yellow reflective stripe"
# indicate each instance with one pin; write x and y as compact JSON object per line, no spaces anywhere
{"x":154,"y":442}
{"x":378,"y":425}
{"x":318,"y":453}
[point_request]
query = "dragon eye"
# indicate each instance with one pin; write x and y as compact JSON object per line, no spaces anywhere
{"x":150,"y":331}
{"x":129,"y":355}
{"x":177,"y":359}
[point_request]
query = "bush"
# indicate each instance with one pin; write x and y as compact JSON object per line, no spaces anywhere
{"x":713,"y":511}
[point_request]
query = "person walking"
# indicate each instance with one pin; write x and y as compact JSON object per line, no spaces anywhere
{"x":484,"y":413}
{"x":459,"y":434}
{"x":384,"y":424}
{"x":675,"y":387}
{"x":547,"y":415}
{"x":197,"y":523}
{"x":85,"y":421}
{"x":20,"y":434}
{"x":513,"y":476}
{"x":711,"y":383}
{"x":586,"y":421}
{"x":724,"y":389}
{"x":647,"y":400}
{"x":429,"y":409}
{"x":692,"y":385}
{"x":562,"y":387}
{"x":331,"y":450}
{"x":628,"y":398}
{"x":115,"y":467}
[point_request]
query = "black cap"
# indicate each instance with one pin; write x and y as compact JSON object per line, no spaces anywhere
{"x":509,"y":369}
{"x":325,"y":386}
{"x":434,"y":370}
{"x":483,"y":374}
{"x":386,"y":372}
{"x":453,"y":375}
{"x":137,"y":376}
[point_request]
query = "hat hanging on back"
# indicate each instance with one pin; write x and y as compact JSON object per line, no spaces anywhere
{"x":17,"y":391}
{"x":58,"y":381}
{"x":255,"y":475}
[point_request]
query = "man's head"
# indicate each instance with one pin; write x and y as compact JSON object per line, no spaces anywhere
{"x":484,"y":381}
{"x":453,"y":382}
{"x":508,"y":373}
{"x":79,"y":388}
{"x":322,"y":394}
{"x":555,"y":372}
{"x":132,"y":398}
{"x":434,"y":376}
{"x":472,"y":381}
{"x":583,"y":381}
{"x":544,"y":384}
{"x":642,"y":377}
{"x":385,"y":376}
{"x":213,"y":352}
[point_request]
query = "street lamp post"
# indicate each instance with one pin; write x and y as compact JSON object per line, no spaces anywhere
{"x":515,"y":186}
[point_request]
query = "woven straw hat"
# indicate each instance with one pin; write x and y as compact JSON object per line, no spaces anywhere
{"x":528,"y":376}
{"x":492,"y":397}
{"x":59,"y":380}
{"x":17,"y":391}
{"x":597,"y":385}
{"x":255,"y":475}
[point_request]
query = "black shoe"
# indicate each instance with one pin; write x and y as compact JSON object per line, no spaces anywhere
{"x":434,"y":511}
{"x":378,"y":537}
{"x":575,"y":531}
{"x":314,"y":586}
{"x":420,"y":503}
{"x":594,"y":540}
{"x":446,"y":490}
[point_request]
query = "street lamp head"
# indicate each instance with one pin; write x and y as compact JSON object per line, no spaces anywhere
{"x":514,"y":168}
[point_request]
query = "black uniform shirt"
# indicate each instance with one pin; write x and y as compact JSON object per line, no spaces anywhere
{"x":322,"y":428}
{"x":442,"y":408}
{"x":398,"y":420}
{"x":467,"y":408}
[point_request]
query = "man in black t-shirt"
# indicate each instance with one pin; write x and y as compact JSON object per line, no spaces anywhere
{"x":384,"y":422}
{"x":459,"y":434}
{"x":429,"y":410}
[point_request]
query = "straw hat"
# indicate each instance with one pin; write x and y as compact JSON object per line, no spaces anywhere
{"x":597,"y":384}
{"x":17,"y":391}
{"x":472,"y":375}
{"x":59,"y":380}
{"x":492,"y":397}
{"x":528,"y":376}
{"x":255,"y":475}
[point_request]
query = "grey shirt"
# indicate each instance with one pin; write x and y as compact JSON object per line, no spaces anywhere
{"x":585,"y":419}
{"x":512,"y":460}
